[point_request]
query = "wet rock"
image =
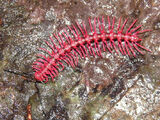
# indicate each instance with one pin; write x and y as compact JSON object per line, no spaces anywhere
{"x":37,"y":16}
{"x":58,"y":111}
{"x":120,"y":87}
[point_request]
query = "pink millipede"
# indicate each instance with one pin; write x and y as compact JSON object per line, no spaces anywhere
{"x":78,"y":42}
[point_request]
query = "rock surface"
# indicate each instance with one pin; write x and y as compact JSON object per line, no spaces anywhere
{"x":114,"y":87}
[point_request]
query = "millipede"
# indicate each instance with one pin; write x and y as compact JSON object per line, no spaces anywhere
{"x":76,"y":41}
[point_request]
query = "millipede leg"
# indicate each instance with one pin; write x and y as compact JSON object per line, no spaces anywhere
{"x":136,"y":48}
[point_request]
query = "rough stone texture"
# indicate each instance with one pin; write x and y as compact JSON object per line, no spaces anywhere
{"x":110,"y":88}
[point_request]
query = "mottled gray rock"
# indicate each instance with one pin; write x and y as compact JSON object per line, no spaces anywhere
{"x":114,"y":87}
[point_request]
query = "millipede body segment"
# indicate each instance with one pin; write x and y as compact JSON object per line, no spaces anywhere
{"x":76,"y":41}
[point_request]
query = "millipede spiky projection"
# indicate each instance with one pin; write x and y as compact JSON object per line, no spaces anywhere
{"x":76,"y":41}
